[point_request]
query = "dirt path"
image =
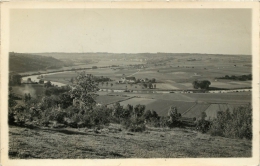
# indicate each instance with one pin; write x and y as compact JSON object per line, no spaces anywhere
{"x":133,"y":73}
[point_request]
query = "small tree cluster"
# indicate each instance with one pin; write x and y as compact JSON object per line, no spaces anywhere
{"x":201,"y":84}
{"x":174,"y":117}
{"x":234,"y":125}
{"x":132,"y":117}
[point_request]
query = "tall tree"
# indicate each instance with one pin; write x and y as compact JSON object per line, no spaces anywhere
{"x":85,"y":90}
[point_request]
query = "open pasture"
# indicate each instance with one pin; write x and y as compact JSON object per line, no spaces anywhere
{"x":158,"y":105}
{"x":136,"y":101}
{"x":108,"y":99}
{"x":241,"y":97}
{"x":196,"y":111}
{"x":168,"y":96}
{"x":162,"y":106}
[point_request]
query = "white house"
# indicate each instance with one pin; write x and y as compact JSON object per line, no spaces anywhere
{"x":127,"y":80}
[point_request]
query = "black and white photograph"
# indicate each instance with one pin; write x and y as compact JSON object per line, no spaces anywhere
{"x":130,"y":83}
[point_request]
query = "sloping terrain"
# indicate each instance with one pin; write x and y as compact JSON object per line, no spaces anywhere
{"x":112,"y":142}
{"x":19,"y":62}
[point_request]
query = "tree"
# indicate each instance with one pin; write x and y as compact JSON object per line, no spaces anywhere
{"x":202,"y":124}
{"x":85,"y":90}
{"x":195,"y":84}
{"x":41,"y":81}
{"x":153,"y":80}
{"x":29,"y":96}
{"x":147,"y":115}
{"x":111,"y":84}
{"x":145,"y":85}
{"x":205,"y":84}
{"x":11,"y":98}
{"x":233,"y":125}
{"x":139,"y":110}
{"x":150,"y":85}
{"x":201,"y":84}
{"x":65,"y":100}
{"x":117,"y":110}
{"x":174,"y":116}
{"x":48,"y":84}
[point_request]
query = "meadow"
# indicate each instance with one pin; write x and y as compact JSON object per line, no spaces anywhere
{"x":115,"y":142}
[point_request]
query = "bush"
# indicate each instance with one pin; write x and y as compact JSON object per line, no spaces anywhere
{"x":233,"y":125}
{"x":203,"y":125}
{"x":135,"y":124}
{"x":97,"y":117}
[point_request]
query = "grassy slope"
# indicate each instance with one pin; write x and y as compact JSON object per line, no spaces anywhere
{"x":112,"y":143}
{"x":27,"y":62}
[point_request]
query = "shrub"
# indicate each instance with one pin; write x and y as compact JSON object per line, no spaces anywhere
{"x":233,"y":125}
{"x":45,"y":118}
{"x":174,"y":118}
{"x":203,"y":125}
{"x":59,"y":116}
{"x":98,"y":117}
{"x":135,"y":124}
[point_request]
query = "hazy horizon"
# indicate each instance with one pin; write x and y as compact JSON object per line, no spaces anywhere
{"x":126,"y":31}
{"x":123,"y":53}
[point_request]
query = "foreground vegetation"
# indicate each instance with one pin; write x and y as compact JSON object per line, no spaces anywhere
{"x":115,"y":142}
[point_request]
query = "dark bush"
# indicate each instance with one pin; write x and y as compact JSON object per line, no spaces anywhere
{"x":203,"y":125}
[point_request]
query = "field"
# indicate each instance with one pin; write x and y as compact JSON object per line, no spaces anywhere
{"x":177,"y":73}
{"x":115,"y":142}
{"x":105,"y":99}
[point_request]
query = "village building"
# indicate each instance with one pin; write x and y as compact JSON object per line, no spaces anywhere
{"x":127,"y":80}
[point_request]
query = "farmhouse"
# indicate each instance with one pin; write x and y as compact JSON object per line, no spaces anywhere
{"x":127,"y":80}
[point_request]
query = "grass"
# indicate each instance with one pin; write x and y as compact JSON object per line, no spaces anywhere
{"x":241,"y":97}
{"x":108,"y":99}
{"x":196,"y":111}
{"x":70,"y":143}
{"x":158,"y":105}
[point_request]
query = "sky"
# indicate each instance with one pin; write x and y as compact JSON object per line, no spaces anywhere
{"x":212,"y":31}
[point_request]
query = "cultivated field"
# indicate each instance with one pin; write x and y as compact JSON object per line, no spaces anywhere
{"x":177,"y":73}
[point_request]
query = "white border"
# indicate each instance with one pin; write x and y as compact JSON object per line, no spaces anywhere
{"x":156,"y":5}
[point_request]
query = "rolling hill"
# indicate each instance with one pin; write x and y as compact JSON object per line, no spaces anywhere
{"x":20,"y":62}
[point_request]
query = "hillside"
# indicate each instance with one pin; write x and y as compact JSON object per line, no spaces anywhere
{"x":19,"y":62}
{"x":115,"y":142}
